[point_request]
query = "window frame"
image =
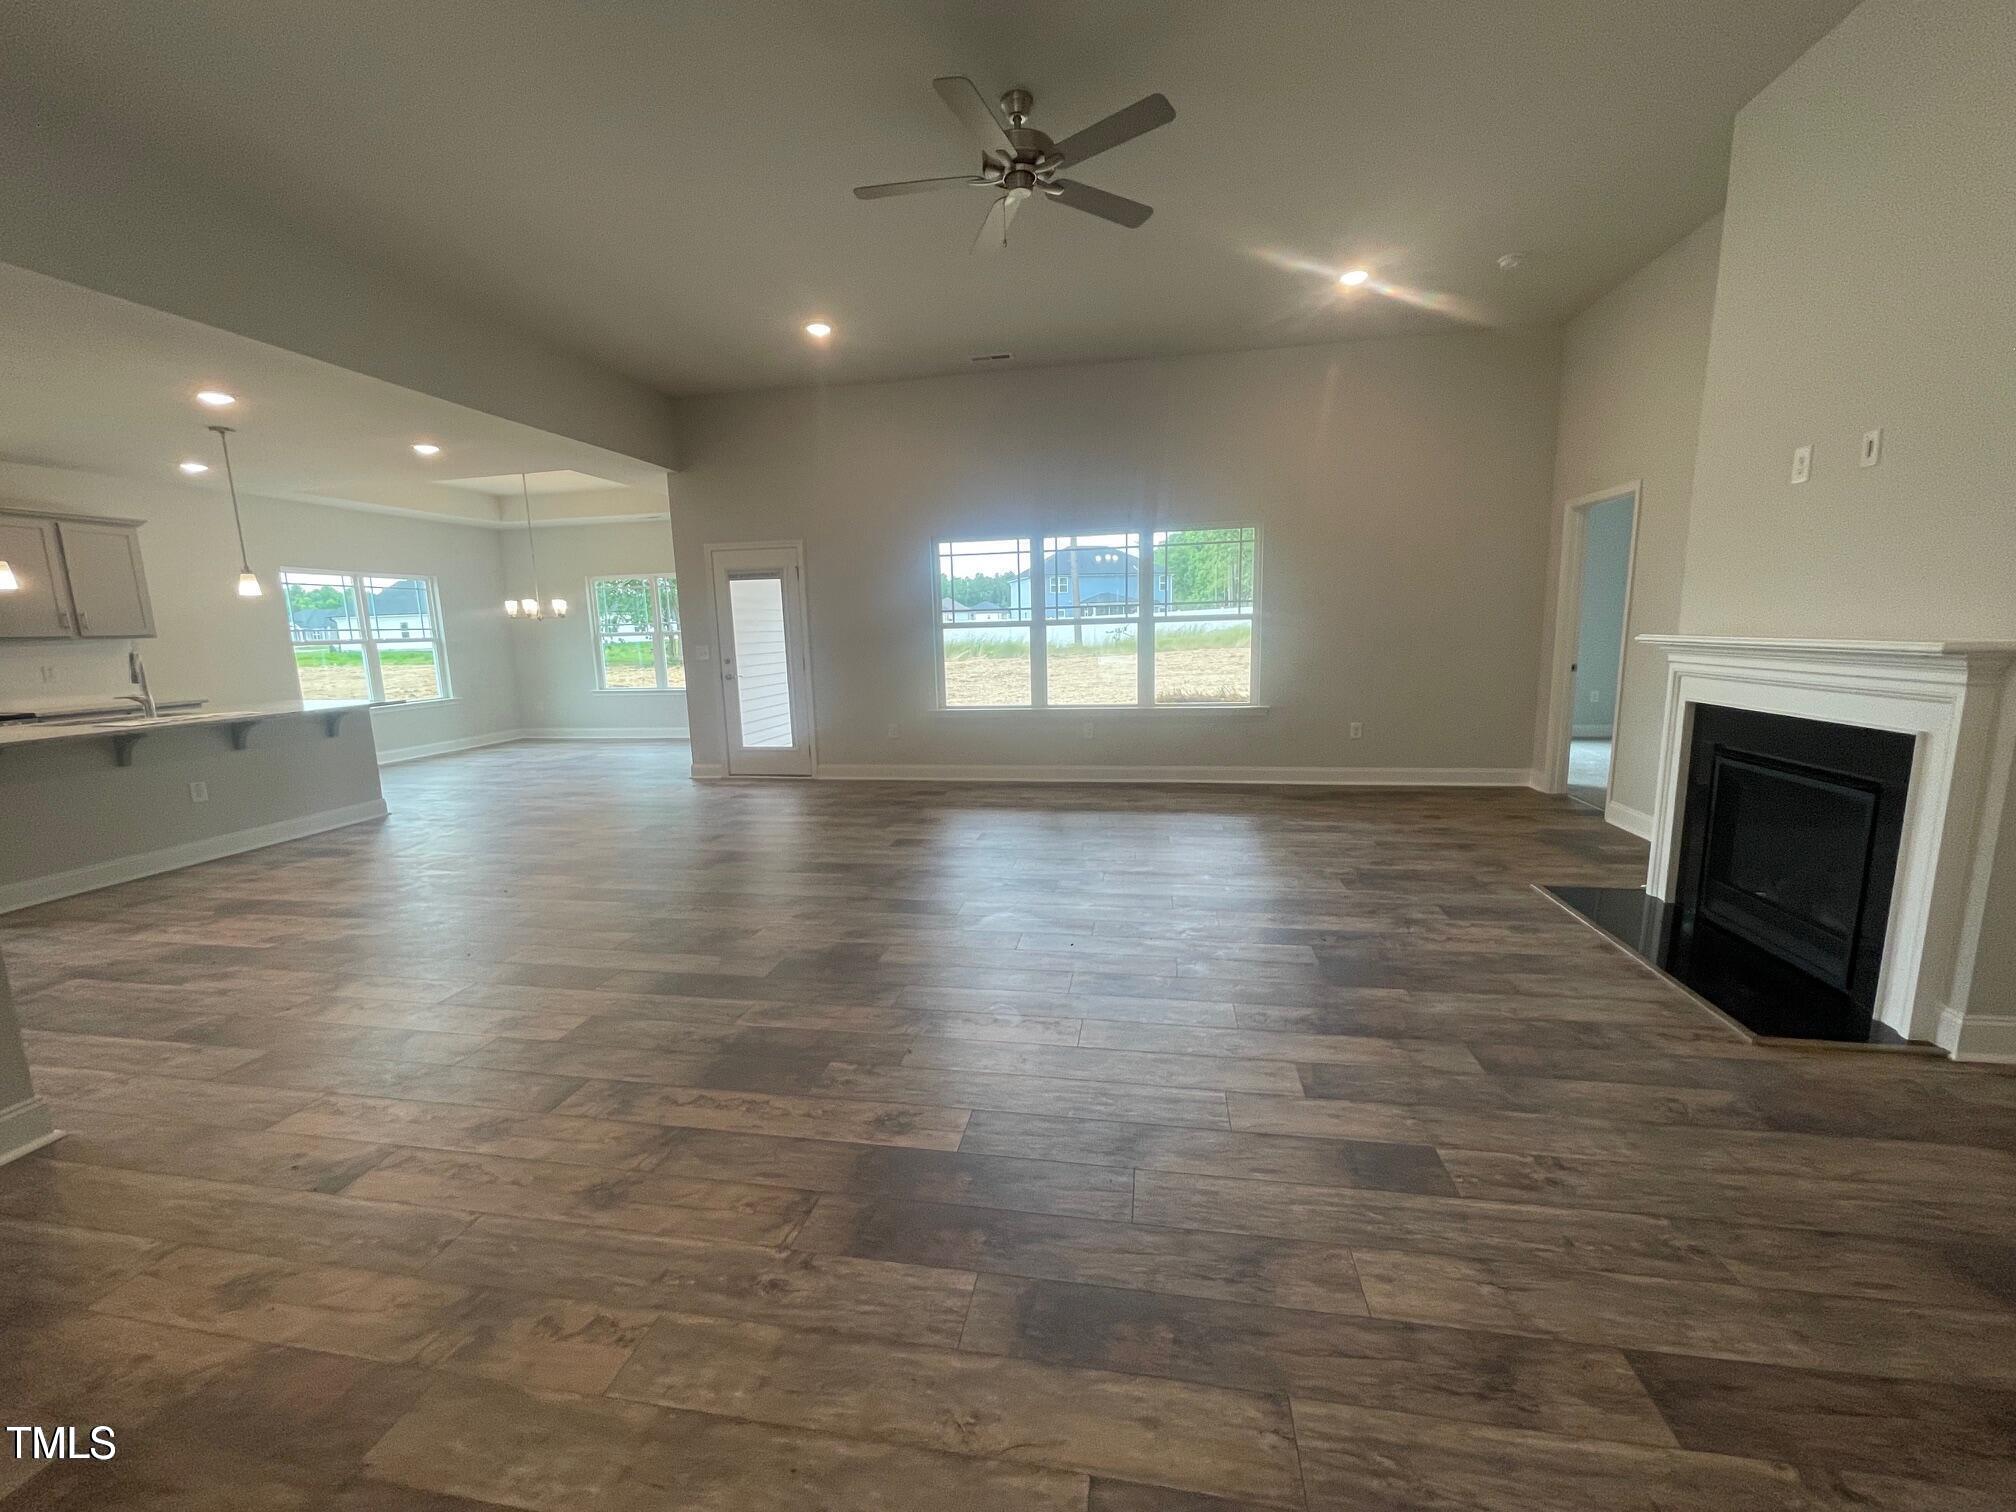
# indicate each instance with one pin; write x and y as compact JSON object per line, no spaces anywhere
{"x":1038,"y":620}
{"x":661,"y":660}
{"x":354,"y":581}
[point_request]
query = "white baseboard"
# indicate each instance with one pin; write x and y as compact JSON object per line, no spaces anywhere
{"x":637,"y":732}
{"x":194,"y":853}
{"x":708,"y":771}
{"x":24,"y":1127}
{"x":1238,"y":775}
{"x":1989,"y":1037}
{"x":1634,"y":821}
{"x":446,"y":747}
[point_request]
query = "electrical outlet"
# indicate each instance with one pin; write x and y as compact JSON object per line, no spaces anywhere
{"x":199,"y":792}
{"x":1802,"y":464}
{"x":1872,"y":447}
{"x":1086,"y":729}
{"x":48,"y":674}
{"x":1357,"y":730}
{"x":895,"y":732}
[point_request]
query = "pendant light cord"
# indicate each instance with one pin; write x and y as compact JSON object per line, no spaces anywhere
{"x":531,"y":548}
{"x":231,"y":478}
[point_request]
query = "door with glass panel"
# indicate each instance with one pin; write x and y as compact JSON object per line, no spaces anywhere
{"x":759,"y":604}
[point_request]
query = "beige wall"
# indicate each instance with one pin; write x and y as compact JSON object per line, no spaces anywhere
{"x":556,"y":660}
{"x":74,"y":207}
{"x":1866,"y":280}
{"x":213,"y":645}
{"x":1401,"y":487}
{"x":1632,"y":368}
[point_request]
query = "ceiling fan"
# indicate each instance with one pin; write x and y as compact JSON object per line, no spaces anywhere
{"x":1017,"y":161}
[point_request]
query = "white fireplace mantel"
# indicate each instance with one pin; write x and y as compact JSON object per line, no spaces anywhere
{"x":1947,"y":695}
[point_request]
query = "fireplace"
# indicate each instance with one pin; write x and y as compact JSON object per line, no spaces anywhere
{"x":1788,"y":855}
{"x":1830,"y":845}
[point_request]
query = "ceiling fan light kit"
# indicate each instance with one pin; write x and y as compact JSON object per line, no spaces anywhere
{"x":1018,"y":162}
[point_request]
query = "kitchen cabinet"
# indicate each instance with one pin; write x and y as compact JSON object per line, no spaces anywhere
{"x":81,"y":578}
{"x":108,"y":585}
{"x":40,"y":607}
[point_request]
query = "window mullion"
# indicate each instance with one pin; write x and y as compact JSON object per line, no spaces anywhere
{"x":653,"y":587}
{"x":374,"y":676}
{"x":1039,"y":632}
{"x":1144,"y":611}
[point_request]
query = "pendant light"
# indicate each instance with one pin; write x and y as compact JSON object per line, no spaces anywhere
{"x":248,"y":583}
{"x":531,"y":608}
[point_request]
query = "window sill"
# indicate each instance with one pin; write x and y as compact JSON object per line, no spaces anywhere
{"x":1100,"y":710}
{"x":415,"y":703}
{"x":633,"y":692}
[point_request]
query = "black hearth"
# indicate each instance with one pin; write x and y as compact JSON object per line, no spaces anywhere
{"x":1788,"y":853}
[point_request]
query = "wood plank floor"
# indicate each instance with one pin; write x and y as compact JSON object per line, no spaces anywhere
{"x":581,"y":1137}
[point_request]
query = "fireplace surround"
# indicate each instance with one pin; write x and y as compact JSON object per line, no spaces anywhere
{"x":1933,"y":713}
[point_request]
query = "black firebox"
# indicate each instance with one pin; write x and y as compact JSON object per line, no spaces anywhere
{"x":1788,"y":854}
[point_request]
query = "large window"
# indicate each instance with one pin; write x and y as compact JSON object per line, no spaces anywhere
{"x":637,"y":633}
{"x":366,"y":635}
{"x":1101,"y":620}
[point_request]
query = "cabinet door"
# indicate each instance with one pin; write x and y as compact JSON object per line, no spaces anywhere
{"x":39,"y":607}
{"x":108,"y":586}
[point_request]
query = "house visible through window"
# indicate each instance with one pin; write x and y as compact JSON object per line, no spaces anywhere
{"x":365,"y":635}
{"x":637,"y":633}
{"x":1119,"y":620}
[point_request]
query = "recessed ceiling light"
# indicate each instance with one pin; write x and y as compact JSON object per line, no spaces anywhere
{"x":427,"y":448}
{"x":215,"y":398}
{"x":818,"y":330}
{"x":1511,"y":261}
{"x":193,"y":468}
{"x":1354,"y":278}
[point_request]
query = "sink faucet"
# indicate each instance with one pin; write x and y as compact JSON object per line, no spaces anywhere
{"x":137,"y":669}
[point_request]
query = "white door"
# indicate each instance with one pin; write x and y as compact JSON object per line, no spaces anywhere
{"x":759,"y":605}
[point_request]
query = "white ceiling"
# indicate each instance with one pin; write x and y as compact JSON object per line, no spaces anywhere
{"x":92,"y":382}
{"x":666,"y":186}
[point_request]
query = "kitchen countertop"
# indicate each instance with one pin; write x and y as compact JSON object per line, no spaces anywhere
{"x":137,"y":724}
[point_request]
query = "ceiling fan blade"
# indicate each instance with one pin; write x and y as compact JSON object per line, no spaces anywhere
{"x":913,"y":186}
{"x":1121,"y":126}
{"x":1113,"y":207}
{"x":967,"y":103}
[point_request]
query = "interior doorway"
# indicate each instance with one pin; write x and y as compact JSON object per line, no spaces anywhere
{"x":1598,"y":537}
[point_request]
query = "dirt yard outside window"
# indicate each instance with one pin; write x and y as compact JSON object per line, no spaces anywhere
{"x":332,"y":673}
{"x":1090,"y":679}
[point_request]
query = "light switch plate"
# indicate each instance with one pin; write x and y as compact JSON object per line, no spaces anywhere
{"x":1802,"y":464}
{"x":1872,"y":447}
